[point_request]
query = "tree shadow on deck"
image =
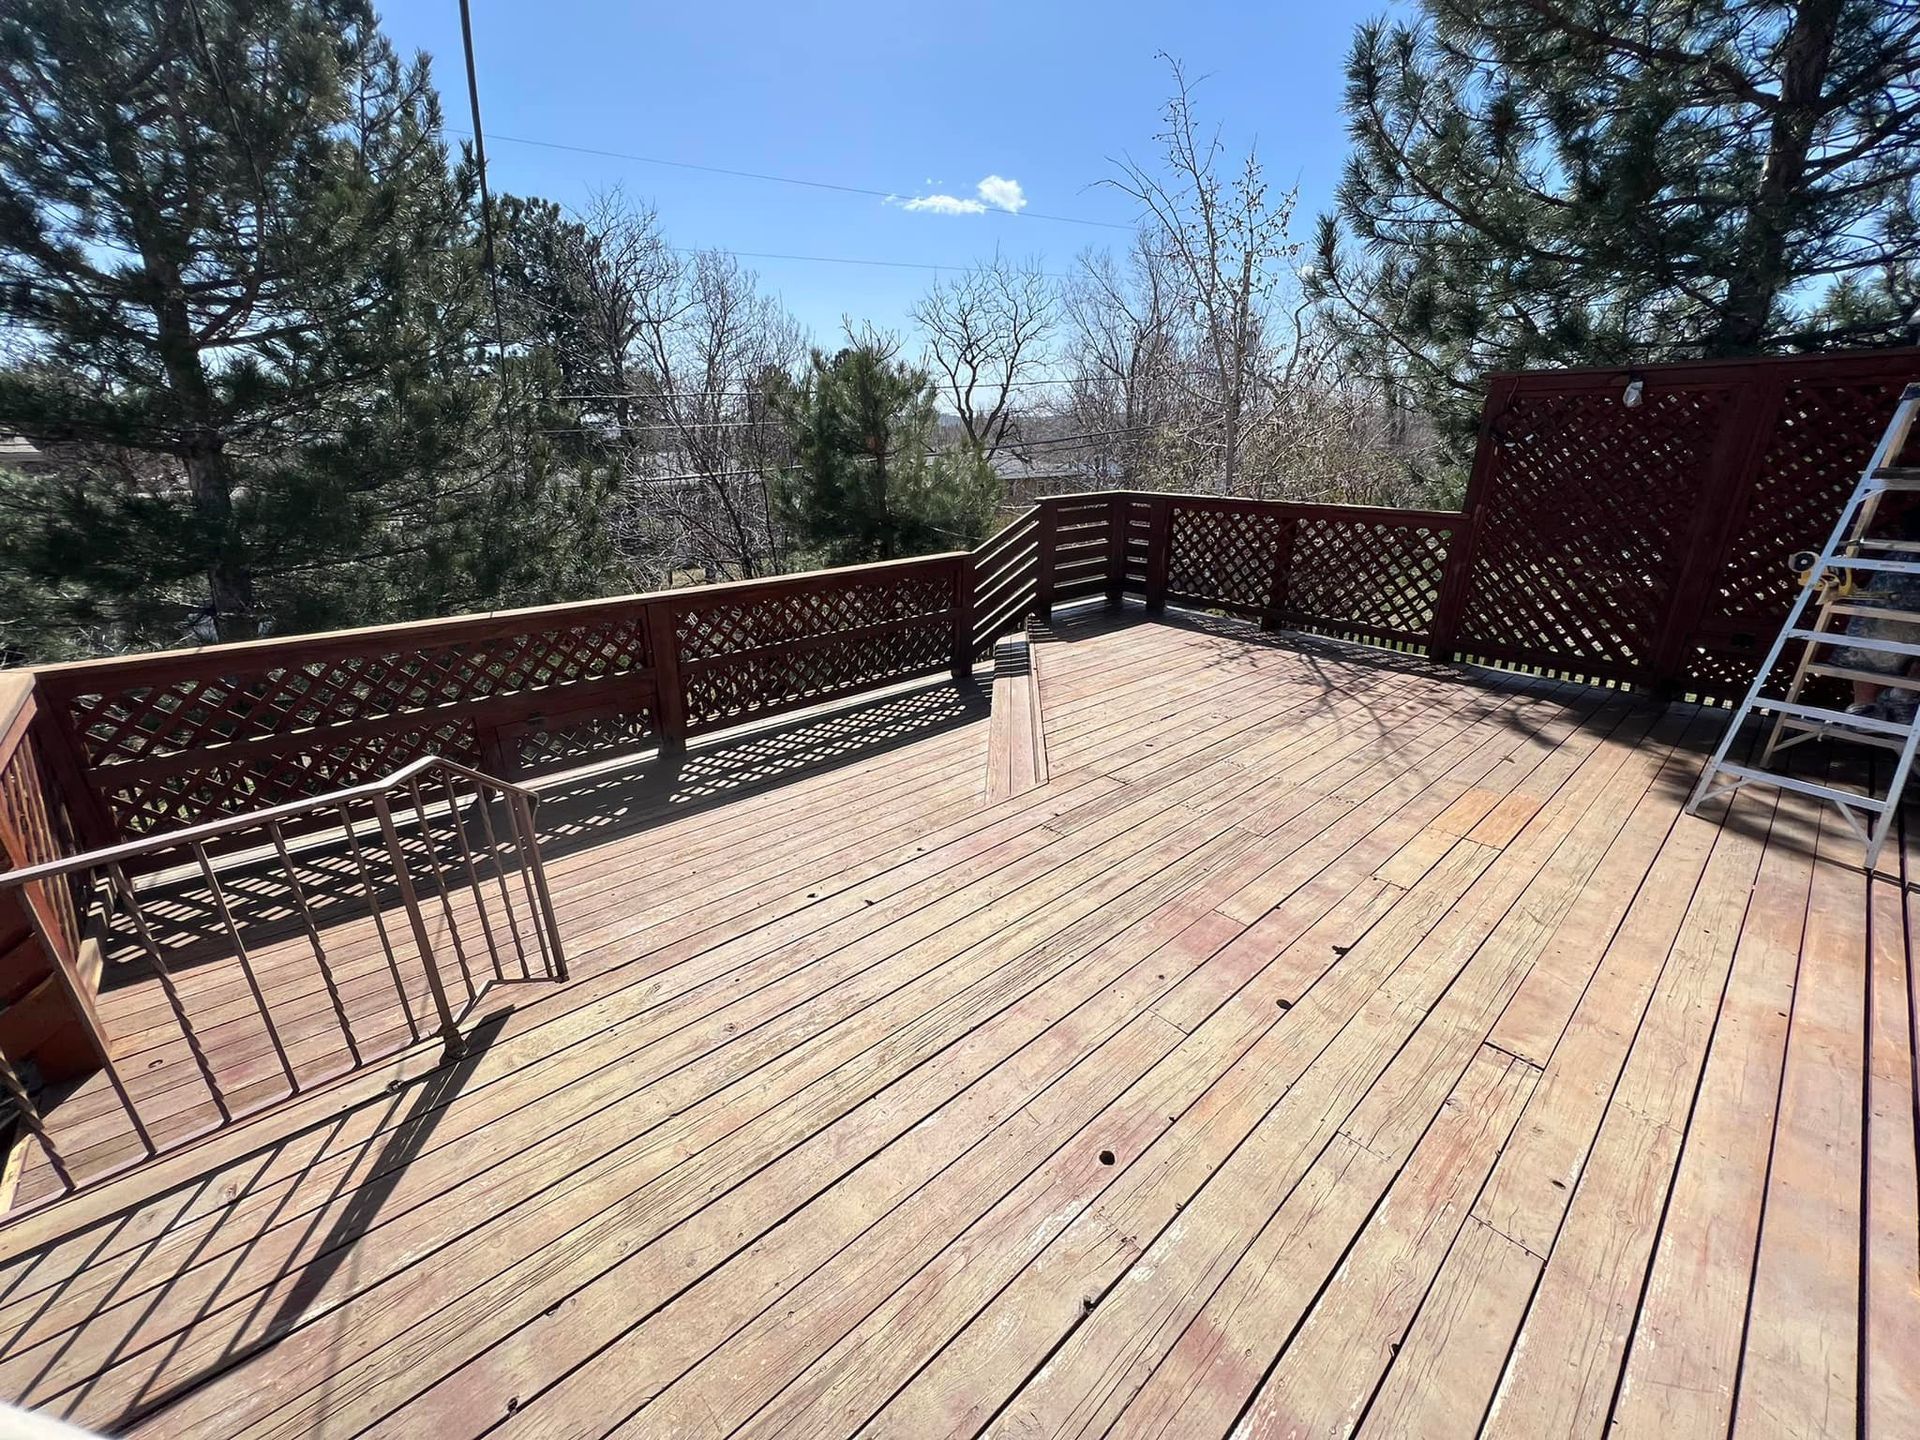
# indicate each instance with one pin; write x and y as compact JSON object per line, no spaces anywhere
{"x":1332,"y":661}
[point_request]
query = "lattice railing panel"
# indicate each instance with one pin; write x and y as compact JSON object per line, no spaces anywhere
{"x":168,"y":744}
{"x":223,"y":782}
{"x":1224,"y":555}
{"x":571,"y":741}
{"x":733,"y":623}
{"x":133,"y":720}
{"x":1380,"y":576}
{"x":726,"y":690}
{"x":1584,"y":522}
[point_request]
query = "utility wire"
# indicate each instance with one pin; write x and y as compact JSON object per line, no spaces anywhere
{"x":486,"y":212}
{"x":782,"y":179}
{"x":841,"y":260}
{"x":750,"y":394}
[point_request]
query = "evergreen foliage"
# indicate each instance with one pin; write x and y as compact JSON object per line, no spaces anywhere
{"x":1564,"y":182}
{"x":867,"y":483}
{"x":243,"y":289}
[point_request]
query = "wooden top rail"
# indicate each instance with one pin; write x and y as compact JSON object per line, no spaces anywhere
{"x":211,"y":660}
{"x":212,"y":830}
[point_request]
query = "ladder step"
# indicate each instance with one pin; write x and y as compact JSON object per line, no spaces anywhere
{"x":1896,"y":547}
{"x":1897,"y":473}
{"x":1805,"y":787}
{"x":1820,"y":716}
{"x":1888,"y":567}
{"x":1864,"y":677}
{"x":1844,"y":732}
{"x":1841,"y":640}
{"x":1870,"y":612}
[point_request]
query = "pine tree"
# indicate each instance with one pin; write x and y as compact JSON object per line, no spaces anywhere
{"x":868,"y":483}
{"x":242,"y":284}
{"x":1550,"y":182}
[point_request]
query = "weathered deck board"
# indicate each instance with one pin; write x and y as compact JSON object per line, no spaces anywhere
{"x":1285,"y":1038}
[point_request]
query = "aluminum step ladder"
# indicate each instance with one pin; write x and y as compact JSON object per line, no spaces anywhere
{"x":1851,"y":551}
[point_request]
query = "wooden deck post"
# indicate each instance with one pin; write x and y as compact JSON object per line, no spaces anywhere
{"x":963,"y":616}
{"x":1279,"y":578}
{"x":1746,"y":427}
{"x":1119,"y":513}
{"x":1159,"y":551}
{"x":669,"y":693}
{"x":1048,"y":524}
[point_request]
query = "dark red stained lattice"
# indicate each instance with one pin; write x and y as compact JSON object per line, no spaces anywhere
{"x":754,"y":621}
{"x":1821,"y":433}
{"x":167,"y":740}
{"x":1585,"y":511}
{"x":1648,"y":544}
{"x":1367,"y":576}
{"x":1346,"y":569}
{"x":563,"y":742}
{"x":1224,"y":554}
{"x":761,"y":650}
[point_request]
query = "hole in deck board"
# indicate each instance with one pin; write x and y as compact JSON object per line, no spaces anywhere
{"x":1106,"y":1157}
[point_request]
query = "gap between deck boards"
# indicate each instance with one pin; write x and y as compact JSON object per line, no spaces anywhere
{"x":1016,"y":732}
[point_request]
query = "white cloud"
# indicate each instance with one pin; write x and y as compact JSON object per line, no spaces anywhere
{"x":996,"y":192}
{"x":1003,"y":194}
{"x":944,"y":205}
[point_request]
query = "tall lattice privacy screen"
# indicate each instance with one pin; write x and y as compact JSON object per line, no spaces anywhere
{"x":1647,"y":543}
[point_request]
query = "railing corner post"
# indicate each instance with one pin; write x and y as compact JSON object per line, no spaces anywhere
{"x":1280,"y":577}
{"x":1119,"y":506}
{"x":1456,"y":574}
{"x":1047,"y":528}
{"x":669,"y":689}
{"x":963,"y":616}
{"x":1159,"y":552}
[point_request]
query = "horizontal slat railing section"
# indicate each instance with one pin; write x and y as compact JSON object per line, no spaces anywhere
{"x":45,"y":984}
{"x":170,"y":739}
{"x":229,"y":987}
{"x":1005,"y":578}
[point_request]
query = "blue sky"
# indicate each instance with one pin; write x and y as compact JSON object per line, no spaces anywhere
{"x":906,"y":99}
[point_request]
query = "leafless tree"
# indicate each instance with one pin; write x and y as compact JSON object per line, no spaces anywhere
{"x":1223,"y":236}
{"x":1121,"y":356}
{"x":619,"y":263}
{"x":711,"y":341}
{"x":987,"y":333}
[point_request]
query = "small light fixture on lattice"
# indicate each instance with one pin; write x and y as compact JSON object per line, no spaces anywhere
{"x":1635,"y":386}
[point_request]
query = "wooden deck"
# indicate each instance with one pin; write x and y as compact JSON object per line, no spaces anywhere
{"x":1300,"y":1040}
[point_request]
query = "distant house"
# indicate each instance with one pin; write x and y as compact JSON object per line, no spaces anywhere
{"x":19,"y":453}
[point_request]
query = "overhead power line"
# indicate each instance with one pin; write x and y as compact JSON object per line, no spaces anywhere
{"x":487,"y":252}
{"x":984,"y":385}
{"x":780,"y":179}
{"x":840,"y":260}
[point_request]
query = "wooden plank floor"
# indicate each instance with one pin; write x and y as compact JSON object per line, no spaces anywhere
{"x":1326,"y":1042}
